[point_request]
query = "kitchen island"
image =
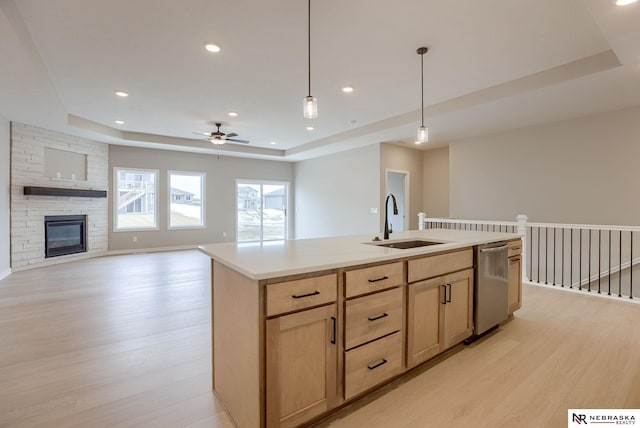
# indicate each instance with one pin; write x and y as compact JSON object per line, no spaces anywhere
{"x":302,"y":327}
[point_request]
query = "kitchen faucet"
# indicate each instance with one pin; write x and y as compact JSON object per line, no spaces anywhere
{"x":387,"y":229}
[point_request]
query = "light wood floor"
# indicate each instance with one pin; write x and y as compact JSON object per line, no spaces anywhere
{"x":125,"y":341}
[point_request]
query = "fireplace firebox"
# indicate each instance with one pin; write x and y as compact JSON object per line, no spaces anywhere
{"x":65,"y":234}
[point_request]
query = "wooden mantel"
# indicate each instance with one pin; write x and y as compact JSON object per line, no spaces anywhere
{"x":60,"y":191}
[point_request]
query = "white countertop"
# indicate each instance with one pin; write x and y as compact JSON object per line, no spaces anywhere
{"x":281,"y":258}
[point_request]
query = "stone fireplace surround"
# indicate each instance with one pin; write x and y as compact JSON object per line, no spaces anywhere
{"x":28,"y":211}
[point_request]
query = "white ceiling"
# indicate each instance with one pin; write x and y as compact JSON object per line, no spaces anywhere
{"x":492,"y":65}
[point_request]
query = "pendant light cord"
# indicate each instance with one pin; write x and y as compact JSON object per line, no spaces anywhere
{"x":422,"y":85}
{"x":309,"y":42}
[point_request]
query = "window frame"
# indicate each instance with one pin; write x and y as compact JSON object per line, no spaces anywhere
{"x":116,"y":197}
{"x":203,"y":184}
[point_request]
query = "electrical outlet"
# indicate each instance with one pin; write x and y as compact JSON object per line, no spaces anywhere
{"x":135,"y":239}
{"x":224,"y":234}
{"x":373,"y":210}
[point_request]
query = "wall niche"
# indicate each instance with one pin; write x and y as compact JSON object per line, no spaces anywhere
{"x":65,"y":165}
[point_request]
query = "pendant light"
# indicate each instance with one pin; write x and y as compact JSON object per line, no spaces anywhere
{"x":310,"y":103}
{"x":423,"y":131}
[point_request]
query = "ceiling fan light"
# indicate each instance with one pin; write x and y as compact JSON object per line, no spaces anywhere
{"x":423,"y":135}
{"x":310,"y":105}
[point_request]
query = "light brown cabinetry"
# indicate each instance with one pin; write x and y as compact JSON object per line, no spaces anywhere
{"x":288,"y":350}
{"x":301,"y":350}
{"x":424,"y":312}
{"x":373,"y":327}
{"x":370,"y":317}
{"x":371,"y":364}
{"x":301,"y":364}
{"x":458,"y":310}
{"x":440,"y":309}
{"x":515,"y":275}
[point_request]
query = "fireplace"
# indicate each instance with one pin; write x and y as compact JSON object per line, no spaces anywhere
{"x":65,"y":234}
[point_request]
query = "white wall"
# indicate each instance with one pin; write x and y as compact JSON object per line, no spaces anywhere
{"x":334,"y":194}
{"x":220,"y":201}
{"x":5,"y":173}
{"x":406,"y":159}
{"x":436,"y":182}
{"x":577,"y":171}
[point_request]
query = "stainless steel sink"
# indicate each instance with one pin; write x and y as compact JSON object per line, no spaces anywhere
{"x":403,"y":245}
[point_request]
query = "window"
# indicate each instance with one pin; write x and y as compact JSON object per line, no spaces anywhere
{"x":186,"y":199}
{"x":261,"y":210}
{"x":135,"y":203}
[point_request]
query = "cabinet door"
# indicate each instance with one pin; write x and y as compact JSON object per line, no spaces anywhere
{"x":301,"y":364}
{"x":515,"y":283}
{"x":458,"y":311}
{"x":425,"y":302}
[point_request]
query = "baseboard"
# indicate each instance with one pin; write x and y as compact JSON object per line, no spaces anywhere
{"x":152,"y":250}
{"x":5,"y":273}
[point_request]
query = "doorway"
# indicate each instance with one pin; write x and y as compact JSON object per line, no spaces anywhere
{"x":398,"y":185}
{"x":261,"y":210}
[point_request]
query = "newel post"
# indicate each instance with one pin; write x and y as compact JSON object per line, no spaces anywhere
{"x":522,"y":231}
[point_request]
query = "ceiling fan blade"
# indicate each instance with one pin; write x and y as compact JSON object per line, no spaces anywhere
{"x":206,"y":134}
{"x":238,"y":141}
{"x":231,"y":135}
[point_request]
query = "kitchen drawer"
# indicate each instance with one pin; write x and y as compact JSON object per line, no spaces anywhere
{"x":300,"y":294}
{"x":375,"y":278}
{"x":371,"y":364}
{"x":431,"y":266}
{"x":515,"y":248}
{"x":373,"y":316}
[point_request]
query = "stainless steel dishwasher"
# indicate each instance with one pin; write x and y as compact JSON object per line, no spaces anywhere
{"x":491,"y":305}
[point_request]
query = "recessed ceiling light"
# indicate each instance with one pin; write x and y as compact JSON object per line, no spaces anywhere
{"x":273,"y":143}
{"x":212,"y":47}
{"x":233,"y":114}
{"x":119,"y":122}
{"x":347,"y":89}
{"x":122,"y":94}
{"x":624,"y":2}
{"x":310,"y":128}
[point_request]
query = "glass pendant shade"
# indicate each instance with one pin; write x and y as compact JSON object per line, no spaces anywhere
{"x":423,"y":134}
{"x":310,"y":105}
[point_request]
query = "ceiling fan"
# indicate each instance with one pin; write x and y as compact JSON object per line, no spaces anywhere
{"x":218,"y":138}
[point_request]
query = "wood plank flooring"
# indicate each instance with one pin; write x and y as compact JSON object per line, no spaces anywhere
{"x":124,"y":341}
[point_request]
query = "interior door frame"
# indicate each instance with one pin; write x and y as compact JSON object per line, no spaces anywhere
{"x":406,"y":205}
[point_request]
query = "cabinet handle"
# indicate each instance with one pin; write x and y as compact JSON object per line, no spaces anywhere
{"x":384,"y":314}
{"x":333,"y":335}
{"x":445,"y":292}
{"x":379,"y":279}
{"x":516,"y":248}
{"x":444,"y":296}
{"x":514,"y":259}
{"x":315,"y":293}
{"x":375,"y":366}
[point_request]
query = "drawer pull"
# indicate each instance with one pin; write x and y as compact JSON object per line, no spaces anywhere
{"x":333,"y":335}
{"x":315,"y":293}
{"x":375,"y":366}
{"x":379,"y":279}
{"x":384,"y":314}
{"x":516,"y":248}
{"x":514,"y":259}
